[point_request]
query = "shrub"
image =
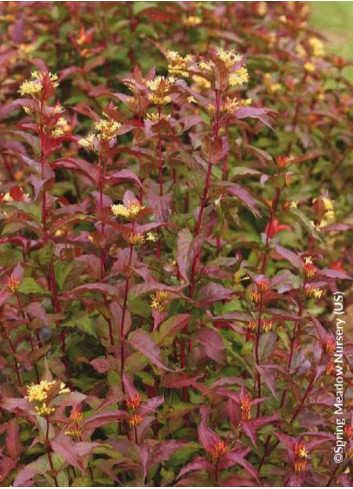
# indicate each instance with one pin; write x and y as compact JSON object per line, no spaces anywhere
{"x":175,"y":227}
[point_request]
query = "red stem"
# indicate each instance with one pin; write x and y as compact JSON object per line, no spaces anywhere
{"x":47,"y":444}
{"x":215,"y":132}
{"x":13,"y":351}
{"x":121,"y":331}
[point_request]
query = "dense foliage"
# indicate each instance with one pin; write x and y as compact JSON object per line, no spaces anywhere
{"x":175,"y":220}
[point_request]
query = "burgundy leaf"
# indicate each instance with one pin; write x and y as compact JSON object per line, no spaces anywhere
{"x":213,"y":344}
{"x":142,"y":342}
{"x":199,"y":463}
{"x":102,"y":419}
{"x":14,"y":445}
{"x":212,"y":292}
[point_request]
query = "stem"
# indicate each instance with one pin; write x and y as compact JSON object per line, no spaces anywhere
{"x":160,"y":177}
{"x":100,"y":188}
{"x":224,"y":178}
{"x":47,"y":444}
{"x":296,"y":413}
{"x":42,"y":166}
{"x":29,"y":336}
{"x":13,"y":351}
{"x":333,"y":473}
{"x":160,"y":161}
{"x":216,"y":473}
{"x":121,"y":330}
{"x":215,"y":132}
{"x":270,"y":224}
{"x":291,"y":350}
{"x":257,"y":355}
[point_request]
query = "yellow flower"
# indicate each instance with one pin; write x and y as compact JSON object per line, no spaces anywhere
{"x":252,"y":325}
{"x":160,"y":83}
{"x":300,"y":51}
{"x":106,"y":129}
{"x":245,"y":407}
{"x":191,"y":21}
{"x":74,"y":432}
{"x":87,"y":142}
{"x":26,"y":48}
{"x":158,"y":117}
{"x":294,"y":204}
{"x":310,"y":67}
{"x":157,"y":300}
{"x":231,"y":105}
{"x":61,"y":127}
{"x":317,"y":46}
{"x":34,"y":86}
{"x":300,"y":465}
{"x":206,"y":66}
{"x":7,"y":197}
{"x":262,"y":8}
{"x":136,"y":238}
{"x":30,"y":87}
{"x":229,"y":57}
{"x":201,"y":83}
{"x":159,"y":100}
{"x":313,"y":292}
{"x":269,"y":83}
{"x":328,"y":204}
{"x":38,"y":392}
{"x":317,"y":293}
{"x":129,"y":212}
{"x":160,"y":88}
{"x":238,"y":77}
{"x":151,"y":236}
{"x":300,"y":450}
{"x":63,"y":389}
{"x":178,"y":64}
{"x":266,"y":325}
{"x":135,"y":419}
{"x":254,"y":296}
{"x":44,"y":410}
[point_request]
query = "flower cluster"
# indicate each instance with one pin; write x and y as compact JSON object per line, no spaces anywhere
{"x":34,"y":85}
{"x":218,"y":450}
{"x":129,"y":211}
{"x":13,"y":284}
{"x":300,"y":457}
{"x":76,"y":416}
{"x":177,"y":64}
{"x":309,"y":269}
{"x":245,"y":408}
{"x":105,"y":131}
{"x":158,"y":300}
{"x":61,"y":128}
{"x":312,"y":291}
{"x":160,"y":88}
{"x":41,"y":393}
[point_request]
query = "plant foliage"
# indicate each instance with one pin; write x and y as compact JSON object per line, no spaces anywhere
{"x":175,"y":219}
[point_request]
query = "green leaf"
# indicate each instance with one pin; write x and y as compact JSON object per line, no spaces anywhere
{"x":140,"y":307}
{"x":30,"y":286}
{"x":84,"y":322}
{"x":181,"y":457}
{"x":138,"y":7}
{"x":46,"y":253}
{"x":247,"y":348}
{"x":62,"y":270}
